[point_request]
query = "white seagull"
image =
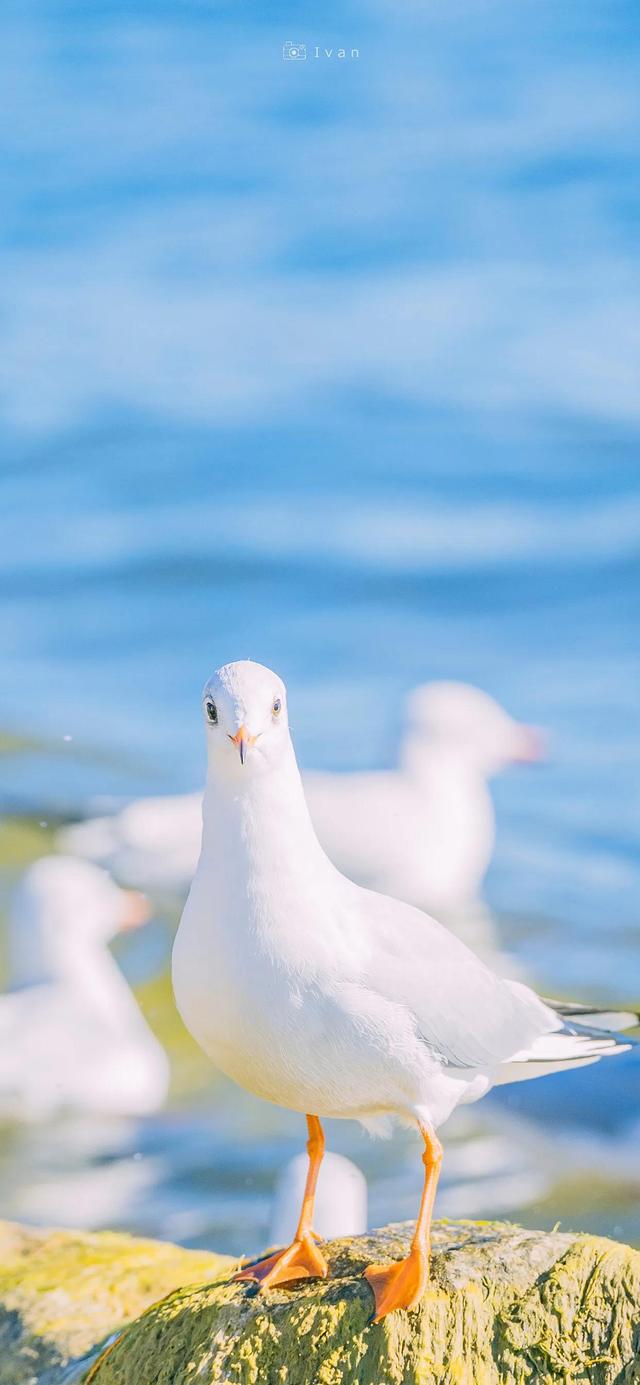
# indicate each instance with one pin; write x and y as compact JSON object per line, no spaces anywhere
{"x":72,"y":1037}
{"x":424,"y":831}
{"x":328,"y":998}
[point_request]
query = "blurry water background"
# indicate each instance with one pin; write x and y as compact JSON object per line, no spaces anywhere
{"x":333,"y":364}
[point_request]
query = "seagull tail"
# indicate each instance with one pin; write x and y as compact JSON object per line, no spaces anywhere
{"x":586,"y":1035}
{"x":612,"y":1021}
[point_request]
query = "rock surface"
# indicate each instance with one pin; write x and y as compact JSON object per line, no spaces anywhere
{"x":505,"y":1305}
{"x":62,"y":1293}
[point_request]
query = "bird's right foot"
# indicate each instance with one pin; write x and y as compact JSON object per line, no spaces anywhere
{"x":399,"y":1285}
{"x":301,"y":1260}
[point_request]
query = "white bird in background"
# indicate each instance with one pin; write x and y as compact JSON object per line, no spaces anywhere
{"x":341,"y":1199}
{"x":328,"y":998}
{"x":72,"y":1037}
{"x":424,"y":831}
{"x":153,"y":843}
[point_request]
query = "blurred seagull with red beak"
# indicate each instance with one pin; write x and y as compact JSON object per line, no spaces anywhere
{"x":425,"y":831}
{"x":334,"y":1000}
{"x":72,"y":1037}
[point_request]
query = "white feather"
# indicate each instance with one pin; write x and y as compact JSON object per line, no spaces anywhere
{"x":307,"y":989}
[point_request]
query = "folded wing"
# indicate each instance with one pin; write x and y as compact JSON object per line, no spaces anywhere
{"x":465,"y":1013}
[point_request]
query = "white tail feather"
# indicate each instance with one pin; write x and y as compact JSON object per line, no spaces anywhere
{"x":570,"y":1047}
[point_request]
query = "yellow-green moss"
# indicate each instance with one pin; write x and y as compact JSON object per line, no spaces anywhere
{"x":22,"y":840}
{"x":505,"y":1305}
{"x":62,"y":1293}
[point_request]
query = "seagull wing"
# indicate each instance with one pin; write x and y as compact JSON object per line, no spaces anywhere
{"x":467,"y":1015}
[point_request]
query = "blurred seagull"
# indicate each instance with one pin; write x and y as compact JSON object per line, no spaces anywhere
{"x":341,"y":1199}
{"x":72,"y":1037}
{"x":424,"y":832}
{"x":153,"y":843}
{"x":328,"y":998}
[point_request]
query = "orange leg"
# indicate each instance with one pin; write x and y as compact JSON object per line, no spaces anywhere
{"x":302,"y":1259}
{"x":401,"y":1285}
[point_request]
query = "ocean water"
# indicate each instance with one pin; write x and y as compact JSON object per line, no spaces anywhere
{"x":332,"y":364}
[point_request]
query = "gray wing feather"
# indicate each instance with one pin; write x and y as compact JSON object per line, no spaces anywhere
{"x":466,"y":1014}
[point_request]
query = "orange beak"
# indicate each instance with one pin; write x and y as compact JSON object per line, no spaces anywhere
{"x":244,"y":741}
{"x":533,"y":746}
{"x":137,"y":912}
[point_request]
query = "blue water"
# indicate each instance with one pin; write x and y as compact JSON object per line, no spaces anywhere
{"x":334,"y":365}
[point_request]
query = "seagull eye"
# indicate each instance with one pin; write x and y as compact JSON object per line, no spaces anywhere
{"x":211,"y":711}
{"x":277,"y":707}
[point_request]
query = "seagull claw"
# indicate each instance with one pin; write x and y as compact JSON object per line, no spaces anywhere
{"x":399,"y":1285}
{"x":300,"y":1260}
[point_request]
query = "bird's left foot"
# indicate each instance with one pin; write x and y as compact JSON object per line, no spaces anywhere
{"x":301,"y":1260}
{"x":400,"y":1285}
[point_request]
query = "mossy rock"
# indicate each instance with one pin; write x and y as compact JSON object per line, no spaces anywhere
{"x":62,"y":1293}
{"x":505,"y":1305}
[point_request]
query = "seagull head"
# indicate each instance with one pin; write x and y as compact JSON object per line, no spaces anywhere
{"x":64,"y":907}
{"x":471,"y":725}
{"x":245,"y":713}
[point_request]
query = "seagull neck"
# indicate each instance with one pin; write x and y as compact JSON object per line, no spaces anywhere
{"x":440,"y":762}
{"x":83,"y":969}
{"x":266,"y":814}
{"x":97,"y":977}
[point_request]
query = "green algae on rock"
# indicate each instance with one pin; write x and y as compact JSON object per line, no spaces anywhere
{"x":63,"y":1292}
{"x":505,"y":1305}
